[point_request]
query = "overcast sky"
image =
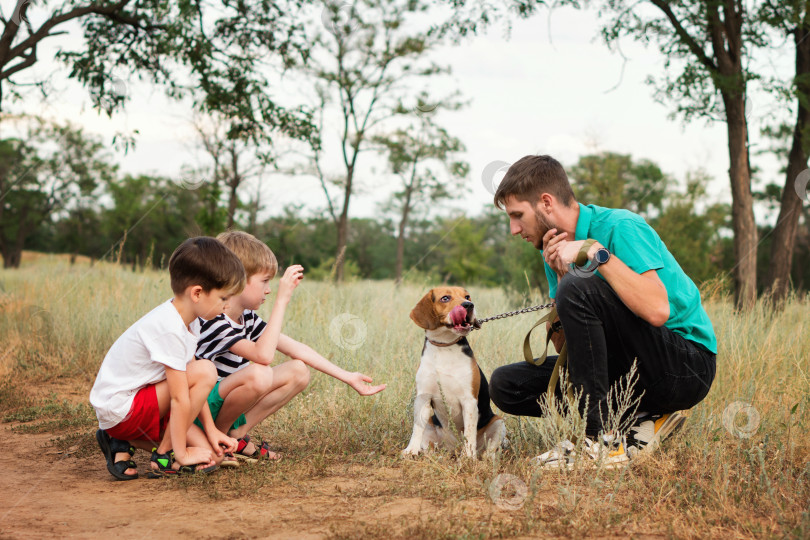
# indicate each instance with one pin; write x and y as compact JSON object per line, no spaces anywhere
{"x":551,"y":87}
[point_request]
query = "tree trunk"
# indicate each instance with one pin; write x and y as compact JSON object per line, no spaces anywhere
{"x":12,"y":257}
{"x":236,"y":179}
{"x":403,"y":223}
{"x":233,"y":201}
{"x":784,"y":233}
{"x":401,"y":245}
{"x":253,"y":217}
{"x":12,"y":251}
{"x":342,"y":237}
{"x":343,"y":224}
{"x":742,"y":209}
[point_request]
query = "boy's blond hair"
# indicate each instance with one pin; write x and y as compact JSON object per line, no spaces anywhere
{"x":256,"y":257}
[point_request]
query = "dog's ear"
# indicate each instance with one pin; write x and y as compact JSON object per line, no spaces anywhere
{"x":423,"y":314}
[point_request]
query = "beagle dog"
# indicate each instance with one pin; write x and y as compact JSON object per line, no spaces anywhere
{"x":450,"y":387}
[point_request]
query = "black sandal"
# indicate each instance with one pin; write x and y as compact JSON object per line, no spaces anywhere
{"x":164,"y":468}
{"x":110,"y":447}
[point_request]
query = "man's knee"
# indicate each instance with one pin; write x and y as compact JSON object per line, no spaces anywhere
{"x":572,"y":288}
{"x":498,"y":383}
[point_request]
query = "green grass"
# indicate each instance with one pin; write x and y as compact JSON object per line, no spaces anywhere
{"x":58,"y":320}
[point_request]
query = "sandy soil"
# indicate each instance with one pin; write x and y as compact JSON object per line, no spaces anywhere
{"x":48,"y":494}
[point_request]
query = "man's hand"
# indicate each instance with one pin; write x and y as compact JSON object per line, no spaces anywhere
{"x":289,"y":281}
{"x":552,"y":242}
{"x":567,"y":252}
{"x":358,"y":381}
{"x":221,"y":443}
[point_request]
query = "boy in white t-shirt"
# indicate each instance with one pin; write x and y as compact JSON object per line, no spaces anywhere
{"x":149,"y":389}
{"x":242,"y":347}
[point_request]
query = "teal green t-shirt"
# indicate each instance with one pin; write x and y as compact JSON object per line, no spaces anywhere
{"x":637,"y":245}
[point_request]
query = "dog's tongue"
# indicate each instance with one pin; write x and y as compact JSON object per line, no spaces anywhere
{"x":458,"y":315}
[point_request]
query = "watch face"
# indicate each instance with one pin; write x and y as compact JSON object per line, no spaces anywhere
{"x":602,"y":256}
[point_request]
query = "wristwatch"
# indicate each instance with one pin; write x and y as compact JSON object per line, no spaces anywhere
{"x":601,"y":256}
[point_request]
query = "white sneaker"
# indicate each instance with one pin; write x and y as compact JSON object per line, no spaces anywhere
{"x":607,"y":452}
{"x":561,"y":456}
{"x":649,"y":430}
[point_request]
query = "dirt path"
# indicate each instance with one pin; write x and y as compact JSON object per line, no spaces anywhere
{"x":48,"y":494}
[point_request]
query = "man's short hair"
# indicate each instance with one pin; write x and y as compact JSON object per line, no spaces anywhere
{"x":530,"y":177}
{"x":254,"y":254}
{"x":206,"y":262}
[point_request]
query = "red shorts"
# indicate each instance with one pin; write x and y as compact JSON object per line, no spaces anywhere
{"x":143,"y":421}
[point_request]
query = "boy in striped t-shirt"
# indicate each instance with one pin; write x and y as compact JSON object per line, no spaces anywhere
{"x":242,"y":347}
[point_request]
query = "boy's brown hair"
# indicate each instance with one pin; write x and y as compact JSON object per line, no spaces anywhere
{"x":254,"y":254}
{"x":206,"y":262}
{"x":530,"y":177}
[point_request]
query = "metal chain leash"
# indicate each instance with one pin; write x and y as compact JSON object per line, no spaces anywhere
{"x":518,"y":312}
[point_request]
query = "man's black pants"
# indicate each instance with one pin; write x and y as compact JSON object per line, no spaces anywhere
{"x":603,"y":338}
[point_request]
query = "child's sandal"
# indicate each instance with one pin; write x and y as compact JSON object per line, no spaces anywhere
{"x":266,"y":453}
{"x":240,"y":450}
{"x":164,"y":467}
{"x":229,"y":461}
{"x":192,"y":469}
{"x":262,"y":452}
{"x":110,"y":447}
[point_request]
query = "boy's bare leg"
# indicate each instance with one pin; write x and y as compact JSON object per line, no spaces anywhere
{"x":201,"y":376}
{"x":289,"y":379}
{"x":145,"y":444}
{"x":240,"y":392}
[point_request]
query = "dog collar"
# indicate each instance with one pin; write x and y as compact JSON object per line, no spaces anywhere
{"x":439,"y":344}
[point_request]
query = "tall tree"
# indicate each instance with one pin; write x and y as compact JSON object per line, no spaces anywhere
{"x":413,"y":154}
{"x":363,"y":59}
{"x":792,"y":19}
{"x":706,"y":45}
{"x":709,"y":41}
{"x":236,"y":159}
{"x":43,"y":170}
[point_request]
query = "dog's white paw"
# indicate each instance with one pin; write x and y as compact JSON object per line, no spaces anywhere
{"x":409,"y":453}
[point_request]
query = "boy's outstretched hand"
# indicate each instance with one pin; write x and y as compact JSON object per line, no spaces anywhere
{"x":358,"y":382}
{"x":289,"y":281}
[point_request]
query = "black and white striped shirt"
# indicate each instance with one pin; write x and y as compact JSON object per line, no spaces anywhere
{"x":218,"y":335}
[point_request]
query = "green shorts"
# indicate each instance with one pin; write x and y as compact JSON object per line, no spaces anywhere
{"x":215,"y":404}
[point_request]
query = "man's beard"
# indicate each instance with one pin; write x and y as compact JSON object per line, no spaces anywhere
{"x":542,"y":226}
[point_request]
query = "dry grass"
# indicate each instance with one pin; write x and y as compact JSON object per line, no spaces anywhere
{"x":748,"y":477}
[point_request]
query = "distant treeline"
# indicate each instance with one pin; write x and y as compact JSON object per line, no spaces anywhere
{"x":144,"y":218}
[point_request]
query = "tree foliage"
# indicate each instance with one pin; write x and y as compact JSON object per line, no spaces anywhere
{"x":46,"y":169}
{"x":424,"y":156}
{"x":616,"y":181}
{"x":361,"y":61}
{"x":218,"y":54}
